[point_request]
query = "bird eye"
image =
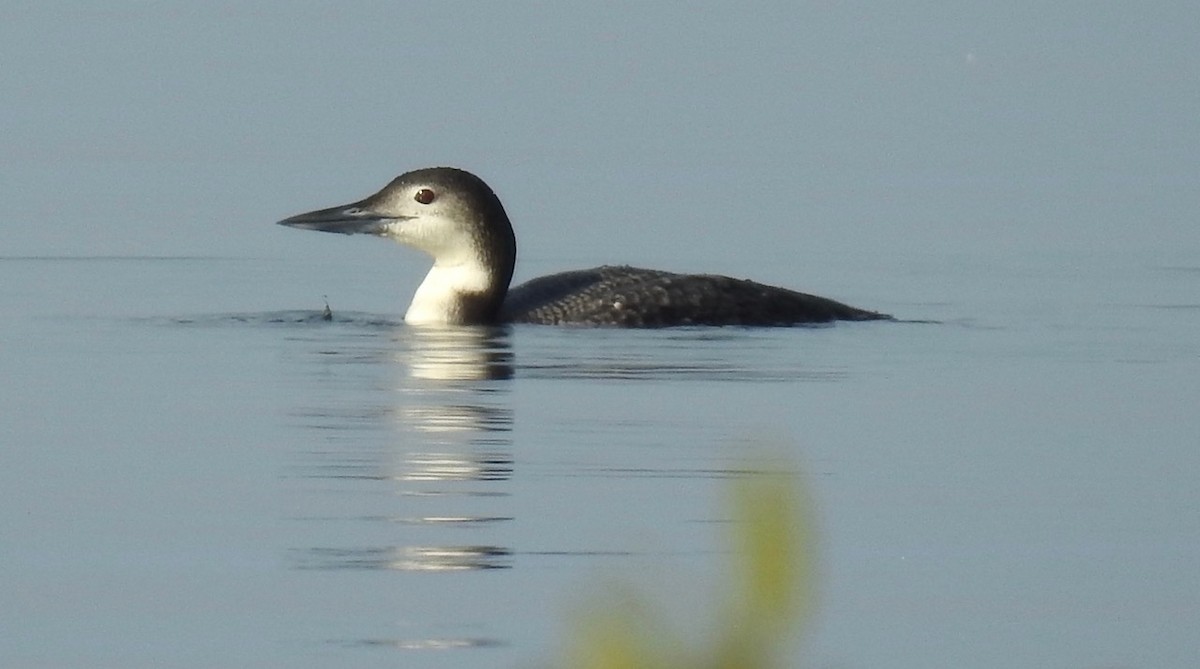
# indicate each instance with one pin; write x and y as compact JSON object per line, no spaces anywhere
{"x":424,"y":196}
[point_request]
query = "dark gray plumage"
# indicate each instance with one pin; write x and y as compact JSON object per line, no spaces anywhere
{"x":633,"y":297}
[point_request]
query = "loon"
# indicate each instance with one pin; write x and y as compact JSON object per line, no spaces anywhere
{"x":455,"y":217}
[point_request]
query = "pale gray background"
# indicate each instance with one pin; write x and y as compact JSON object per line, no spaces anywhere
{"x":769,"y":131}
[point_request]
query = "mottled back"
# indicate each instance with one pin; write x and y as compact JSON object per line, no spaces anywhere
{"x":633,"y":297}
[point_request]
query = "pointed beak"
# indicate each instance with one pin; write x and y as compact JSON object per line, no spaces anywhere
{"x":346,"y":219}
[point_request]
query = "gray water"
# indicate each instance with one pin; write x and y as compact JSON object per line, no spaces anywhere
{"x":1011,"y":486}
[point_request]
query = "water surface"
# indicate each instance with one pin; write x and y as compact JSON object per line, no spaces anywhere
{"x":190,"y":486}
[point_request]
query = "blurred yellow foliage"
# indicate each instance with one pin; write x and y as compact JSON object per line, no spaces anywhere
{"x":770,"y":592}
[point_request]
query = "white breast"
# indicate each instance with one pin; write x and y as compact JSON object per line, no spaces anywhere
{"x":439,"y":298}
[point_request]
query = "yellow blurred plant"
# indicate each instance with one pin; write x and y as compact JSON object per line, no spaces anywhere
{"x":770,"y":593}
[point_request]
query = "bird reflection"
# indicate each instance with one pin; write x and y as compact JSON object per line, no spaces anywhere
{"x":426,"y":414}
{"x":458,"y":353}
{"x":451,"y":410}
{"x":455,"y":467}
{"x":408,"y":558}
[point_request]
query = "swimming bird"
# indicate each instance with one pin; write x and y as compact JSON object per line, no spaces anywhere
{"x":455,"y":217}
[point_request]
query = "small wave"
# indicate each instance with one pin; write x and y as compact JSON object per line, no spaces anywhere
{"x":290,"y":318}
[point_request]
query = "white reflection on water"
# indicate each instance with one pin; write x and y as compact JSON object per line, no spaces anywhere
{"x":446,"y":433}
{"x":407,"y":558}
{"x":454,"y":467}
{"x":426,"y":644}
{"x":412,"y":438}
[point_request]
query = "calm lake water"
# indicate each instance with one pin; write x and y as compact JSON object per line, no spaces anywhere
{"x":187,"y":484}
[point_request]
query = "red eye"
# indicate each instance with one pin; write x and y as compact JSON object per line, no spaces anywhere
{"x":425,"y":195}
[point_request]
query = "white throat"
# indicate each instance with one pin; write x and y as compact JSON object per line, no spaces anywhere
{"x":441,"y":298}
